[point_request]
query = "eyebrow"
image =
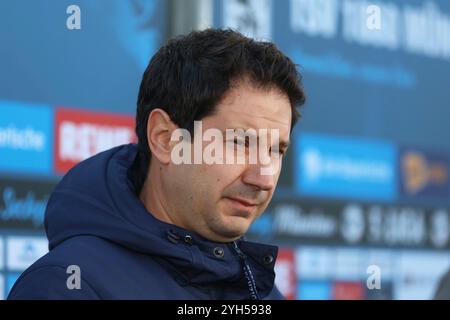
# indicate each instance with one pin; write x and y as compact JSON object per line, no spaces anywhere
{"x":283,"y":143}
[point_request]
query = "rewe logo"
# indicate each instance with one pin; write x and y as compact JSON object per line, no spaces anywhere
{"x":82,"y":134}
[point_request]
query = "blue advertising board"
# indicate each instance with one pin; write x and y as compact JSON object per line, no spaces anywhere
{"x":342,"y":167}
{"x":26,"y":138}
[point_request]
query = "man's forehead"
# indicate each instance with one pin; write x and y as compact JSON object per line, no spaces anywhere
{"x":266,"y":110}
{"x":246,"y":121}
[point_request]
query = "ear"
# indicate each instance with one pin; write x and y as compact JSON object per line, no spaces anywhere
{"x":159,"y":131}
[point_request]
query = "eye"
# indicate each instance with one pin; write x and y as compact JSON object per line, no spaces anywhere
{"x":281,"y":152}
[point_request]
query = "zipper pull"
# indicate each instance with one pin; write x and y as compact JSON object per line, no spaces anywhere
{"x":238,"y":251}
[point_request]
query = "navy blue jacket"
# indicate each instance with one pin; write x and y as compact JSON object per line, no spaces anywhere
{"x":95,"y":221}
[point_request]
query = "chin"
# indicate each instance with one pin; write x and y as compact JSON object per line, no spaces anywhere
{"x":235,"y":227}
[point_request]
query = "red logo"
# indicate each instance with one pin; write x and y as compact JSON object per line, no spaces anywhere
{"x":81,"y":134}
{"x":286,"y":277}
{"x":348,"y":290}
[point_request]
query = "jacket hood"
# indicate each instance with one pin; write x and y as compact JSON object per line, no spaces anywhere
{"x":97,"y":198}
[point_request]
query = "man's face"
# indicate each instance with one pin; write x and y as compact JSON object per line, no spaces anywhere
{"x":220,"y":201}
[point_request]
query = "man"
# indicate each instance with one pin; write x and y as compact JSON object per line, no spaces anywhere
{"x":134,"y":223}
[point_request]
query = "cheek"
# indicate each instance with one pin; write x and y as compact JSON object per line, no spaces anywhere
{"x":186,"y":182}
{"x":224,"y":175}
{"x":215,"y":179}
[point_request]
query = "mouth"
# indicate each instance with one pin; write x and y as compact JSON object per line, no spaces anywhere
{"x":242,"y":205}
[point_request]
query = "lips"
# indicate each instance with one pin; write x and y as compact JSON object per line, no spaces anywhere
{"x":240,"y":207}
{"x":244,"y":202}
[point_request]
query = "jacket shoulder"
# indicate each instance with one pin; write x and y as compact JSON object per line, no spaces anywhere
{"x":50,"y":283}
{"x":107,"y":271}
{"x":48,"y":277}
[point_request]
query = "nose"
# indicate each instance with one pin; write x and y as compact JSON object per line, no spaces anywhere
{"x":254,"y":175}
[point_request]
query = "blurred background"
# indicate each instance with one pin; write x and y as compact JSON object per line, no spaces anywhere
{"x":362,"y":206}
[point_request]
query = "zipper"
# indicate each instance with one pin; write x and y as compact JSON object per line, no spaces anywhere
{"x":248,"y":273}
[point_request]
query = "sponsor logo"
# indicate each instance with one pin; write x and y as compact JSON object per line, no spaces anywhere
{"x":23,"y":203}
{"x":424,"y":174}
{"x":293,"y":220}
{"x":81,"y":134}
{"x":24,"y":251}
{"x":26,"y":137}
{"x":346,"y":168}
